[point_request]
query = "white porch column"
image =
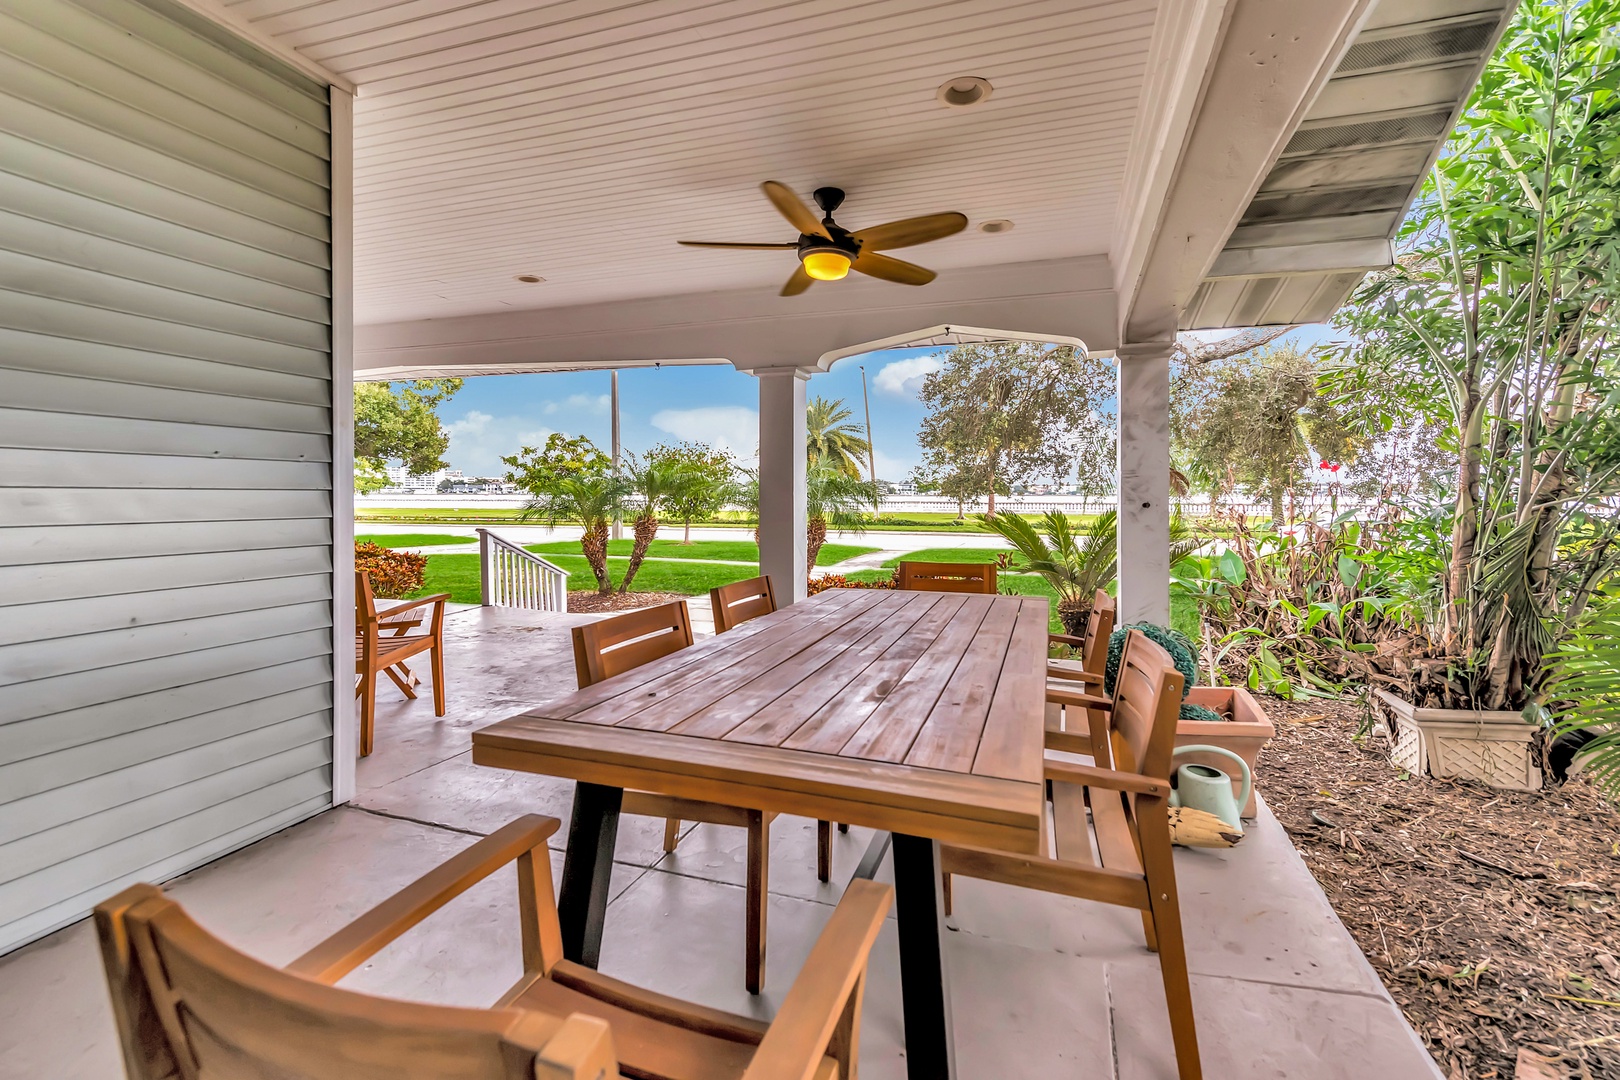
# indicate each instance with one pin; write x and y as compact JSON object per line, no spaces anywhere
{"x":1144,"y":482}
{"x":781,"y":480}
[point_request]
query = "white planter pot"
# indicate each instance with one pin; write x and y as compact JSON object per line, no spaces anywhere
{"x":1494,"y":748}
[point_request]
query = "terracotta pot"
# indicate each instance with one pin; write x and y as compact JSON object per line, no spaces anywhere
{"x":1495,"y":748}
{"x":1245,"y":734}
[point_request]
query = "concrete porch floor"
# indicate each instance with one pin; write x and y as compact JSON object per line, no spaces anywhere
{"x":1041,"y":986}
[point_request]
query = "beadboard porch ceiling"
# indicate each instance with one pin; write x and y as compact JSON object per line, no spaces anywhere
{"x":578,"y":140}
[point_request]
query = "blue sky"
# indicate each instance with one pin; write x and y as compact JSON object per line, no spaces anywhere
{"x":495,"y":414}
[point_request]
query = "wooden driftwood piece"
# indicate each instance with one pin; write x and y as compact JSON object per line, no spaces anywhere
{"x":1199,"y":828}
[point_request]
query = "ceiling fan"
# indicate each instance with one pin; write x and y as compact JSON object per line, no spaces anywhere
{"x":828,"y":252}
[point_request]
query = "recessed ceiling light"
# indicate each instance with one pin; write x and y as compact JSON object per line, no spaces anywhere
{"x":964,"y":91}
{"x":530,"y":279}
{"x":996,"y":225}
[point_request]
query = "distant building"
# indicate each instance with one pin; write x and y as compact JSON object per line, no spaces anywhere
{"x":401,"y":482}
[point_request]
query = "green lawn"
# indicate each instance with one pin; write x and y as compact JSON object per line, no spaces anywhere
{"x":909,"y":522}
{"x":967,"y":555}
{"x":405,"y":540}
{"x":458,"y":576}
{"x":722,"y":550}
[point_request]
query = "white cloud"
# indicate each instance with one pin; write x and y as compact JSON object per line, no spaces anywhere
{"x":478,"y":441}
{"x":902,"y":378}
{"x":729,"y":427}
{"x":591,"y":404}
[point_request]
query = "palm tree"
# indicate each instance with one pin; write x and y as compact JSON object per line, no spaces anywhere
{"x":591,"y":500}
{"x":830,"y":439}
{"x":833,"y":497}
{"x":657,"y":483}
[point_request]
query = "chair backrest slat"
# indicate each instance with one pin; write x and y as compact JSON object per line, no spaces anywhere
{"x":365,"y":602}
{"x":614,"y":645}
{"x":221,"y":1015}
{"x":1147,"y":702}
{"x":1099,"y":628}
{"x":740,"y":601}
{"x":948,"y":577}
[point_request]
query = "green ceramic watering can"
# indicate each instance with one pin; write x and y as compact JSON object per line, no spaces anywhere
{"x":1206,"y":788}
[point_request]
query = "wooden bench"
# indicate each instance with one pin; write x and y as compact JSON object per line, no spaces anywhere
{"x":188,"y":1006}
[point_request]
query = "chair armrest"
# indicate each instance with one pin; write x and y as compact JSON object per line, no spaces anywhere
{"x":794,"y":1046}
{"x":1089,"y":775}
{"x":1059,"y":695}
{"x":407,"y":605}
{"x":1065,"y":639}
{"x":365,"y":936}
{"x":1074,"y":675}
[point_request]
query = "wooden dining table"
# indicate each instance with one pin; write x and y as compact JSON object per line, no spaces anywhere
{"x":917,"y":714}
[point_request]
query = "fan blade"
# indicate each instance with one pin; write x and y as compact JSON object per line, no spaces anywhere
{"x":917,"y":230}
{"x":881,"y":266}
{"x":792,"y":207}
{"x":796,"y":284}
{"x":789,"y":246}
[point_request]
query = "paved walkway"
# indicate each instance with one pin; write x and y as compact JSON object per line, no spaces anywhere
{"x":1042,"y":986}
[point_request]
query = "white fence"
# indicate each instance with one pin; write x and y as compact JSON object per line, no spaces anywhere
{"x":509,"y":576}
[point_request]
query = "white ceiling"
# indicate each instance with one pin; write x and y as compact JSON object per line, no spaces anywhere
{"x":579,"y":139}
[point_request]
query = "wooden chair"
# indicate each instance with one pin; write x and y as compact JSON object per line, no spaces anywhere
{"x":190,"y":1007}
{"x":740,"y":601}
{"x":734,"y":605}
{"x":1087,"y":670}
{"x":1128,"y":794}
{"x":948,"y":577}
{"x":614,"y":645}
{"x":381,"y":645}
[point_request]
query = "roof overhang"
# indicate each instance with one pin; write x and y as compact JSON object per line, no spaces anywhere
{"x":1329,"y":208}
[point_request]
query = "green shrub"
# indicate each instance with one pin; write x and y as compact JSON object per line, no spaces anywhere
{"x":1174,"y":642}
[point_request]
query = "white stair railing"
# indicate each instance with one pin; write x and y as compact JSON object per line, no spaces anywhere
{"x":509,"y":576}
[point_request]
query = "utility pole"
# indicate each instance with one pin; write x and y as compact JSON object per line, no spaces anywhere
{"x":618,"y":516}
{"x":871,"y":454}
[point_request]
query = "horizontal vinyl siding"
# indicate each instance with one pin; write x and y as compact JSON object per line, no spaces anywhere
{"x":166,"y":623}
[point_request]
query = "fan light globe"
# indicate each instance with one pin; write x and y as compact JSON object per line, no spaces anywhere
{"x":826,"y":265}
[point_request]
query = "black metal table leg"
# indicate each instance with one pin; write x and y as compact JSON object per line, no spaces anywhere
{"x":587,"y":870}
{"x":925,"y":991}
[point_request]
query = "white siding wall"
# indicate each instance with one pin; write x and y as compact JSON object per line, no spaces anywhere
{"x":166,"y":629}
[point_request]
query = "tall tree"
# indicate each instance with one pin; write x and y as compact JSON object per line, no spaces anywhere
{"x":1004,"y":413}
{"x":569,"y":479}
{"x":831,"y":439}
{"x":1263,"y":425}
{"x":656,"y":482}
{"x":400,"y":422}
{"x":536,"y":469}
{"x":707,"y":475}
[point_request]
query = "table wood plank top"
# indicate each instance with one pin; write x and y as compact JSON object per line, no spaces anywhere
{"x":913,"y":711}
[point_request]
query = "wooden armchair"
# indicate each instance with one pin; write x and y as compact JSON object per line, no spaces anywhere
{"x":382,"y":642}
{"x":614,"y":645}
{"x":1121,"y":855}
{"x":948,"y":577}
{"x":190,"y":1007}
{"x":1086,"y":672}
{"x":734,"y":605}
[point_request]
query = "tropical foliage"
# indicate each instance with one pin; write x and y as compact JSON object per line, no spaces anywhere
{"x":399,"y":421}
{"x":706,"y":477}
{"x":593,"y":499}
{"x":832,"y":441}
{"x":393,"y":574}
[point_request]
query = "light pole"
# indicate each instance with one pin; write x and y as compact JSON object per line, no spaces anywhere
{"x":618,"y":515}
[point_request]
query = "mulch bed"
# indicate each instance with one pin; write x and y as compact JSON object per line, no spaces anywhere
{"x":594,"y":603}
{"x":1483,"y":911}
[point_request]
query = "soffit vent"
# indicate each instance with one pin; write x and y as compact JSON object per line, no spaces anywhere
{"x":1369,"y":133}
{"x":1317,"y":204}
{"x":1452,"y":42}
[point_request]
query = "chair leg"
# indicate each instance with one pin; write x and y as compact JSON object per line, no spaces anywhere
{"x":1148,"y":932}
{"x":438,"y":679}
{"x":401,"y":682}
{"x":945,"y":892}
{"x":672,"y":834}
{"x":759,"y":858}
{"x":1166,"y":921}
{"x":823,"y":851}
{"x":368,"y":711}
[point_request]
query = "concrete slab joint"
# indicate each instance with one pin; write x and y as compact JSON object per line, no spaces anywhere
{"x":1144,"y":481}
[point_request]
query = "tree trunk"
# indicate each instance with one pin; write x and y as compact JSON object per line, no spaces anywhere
{"x":594,"y":545}
{"x":815,"y":532}
{"x":1276,"y":506}
{"x":1465,"y":524}
{"x":686,"y":538}
{"x":646,"y":529}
